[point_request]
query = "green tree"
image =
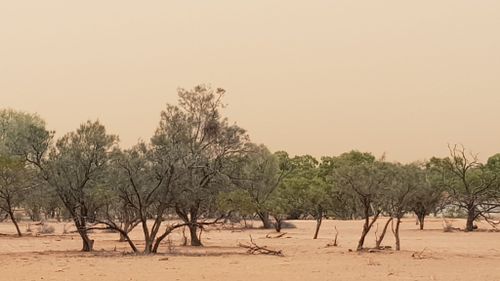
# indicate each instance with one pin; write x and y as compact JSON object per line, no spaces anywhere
{"x":359,"y":175}
{"x":142,"y":179}
{"x":75,"y":169}
{"x":427,"y":197}
{"x":259,"y":173}
{"x":402,"y":184}
{"x":14,"y":181}
{"x":209,"y":145}
{"x":469,"y":184}
{"x":24,"y":142}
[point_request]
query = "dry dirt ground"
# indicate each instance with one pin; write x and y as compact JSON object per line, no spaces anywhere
{"x":440,"y":256}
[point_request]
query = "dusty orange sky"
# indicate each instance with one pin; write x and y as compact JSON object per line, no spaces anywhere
{"x":317,"y":77}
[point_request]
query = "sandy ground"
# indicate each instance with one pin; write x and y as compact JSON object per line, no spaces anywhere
{"x":445,"y":256}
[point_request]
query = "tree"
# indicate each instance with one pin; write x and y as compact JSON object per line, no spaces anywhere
{"x":343,"y":205}
{"x":320,"y":200}
{"x":14,"y":181}
{"x":75,"y":169}
{"x":237,"y":203}
{"x":259,"y":173}
{"x":305,"y":191}
{"x":24,"y":142}
{"x":24,"y":135}
{"x":41,"y":200}
{"x":142,"y":180}
{"x":209,"y":144}
{"x":427,"y":197}
{"x":402,"y":183}
{"x":470,"y":185}
{"x":361,"y":176}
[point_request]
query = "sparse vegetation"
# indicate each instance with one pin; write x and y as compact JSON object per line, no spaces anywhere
{"x":198,"y":169}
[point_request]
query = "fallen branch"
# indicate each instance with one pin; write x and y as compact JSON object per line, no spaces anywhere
{"x":255,"y":249}
{"x":418,"y":255}
{"x":276,"y":236}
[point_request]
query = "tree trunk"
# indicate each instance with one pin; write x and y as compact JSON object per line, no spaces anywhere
{"x":193,"y":231}
{"x":81,"y":227}
{"x":13,"y":219}
{"x":278,"y":223}
{"x":319,"y":219}
{"x":122,"y":238}
{"x":264,"y":217}
{"x":421,"y":221}
{"x":396,"y":234}
{"x":127,"y":227}
{"x":277,"y":226}
{"x":148,"y":247}
{"x":366,"y":227}
{"x":35,"y":214}
{"x":382,"y":235}
{"x":471,"y":216}
{"x":88,"y":244}
{"x":361,"y":241}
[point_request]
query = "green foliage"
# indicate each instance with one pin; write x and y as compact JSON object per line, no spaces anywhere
{"x":469,"y":184}
{"x":76,"y":168}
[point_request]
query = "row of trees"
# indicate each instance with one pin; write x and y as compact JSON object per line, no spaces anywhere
{"x":198,"y":169}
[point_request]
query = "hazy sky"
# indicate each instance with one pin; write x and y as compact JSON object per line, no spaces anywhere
{"x":317,"y":77}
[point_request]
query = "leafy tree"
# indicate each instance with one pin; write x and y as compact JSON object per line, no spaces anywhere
{"x":24,"y":135}
{"x":209,"y":144}
{"x":236,"y":201}
{"x":402,"y":183}
{"x":24,"y":141}
{"x":306,"y":192}
{"x":361,"y":176}
{"x":343,"y":205}
{"x":41,"y":201}
{"x":14,"y":181}
{"x":470,"y":185}
{"x":259,"y":173}
{"x":427,"y":197}
{"x":142,"y":180}
{"x":75,"y":169}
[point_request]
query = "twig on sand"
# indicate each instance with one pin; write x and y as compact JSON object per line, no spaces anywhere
{"x":418,"y":255}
